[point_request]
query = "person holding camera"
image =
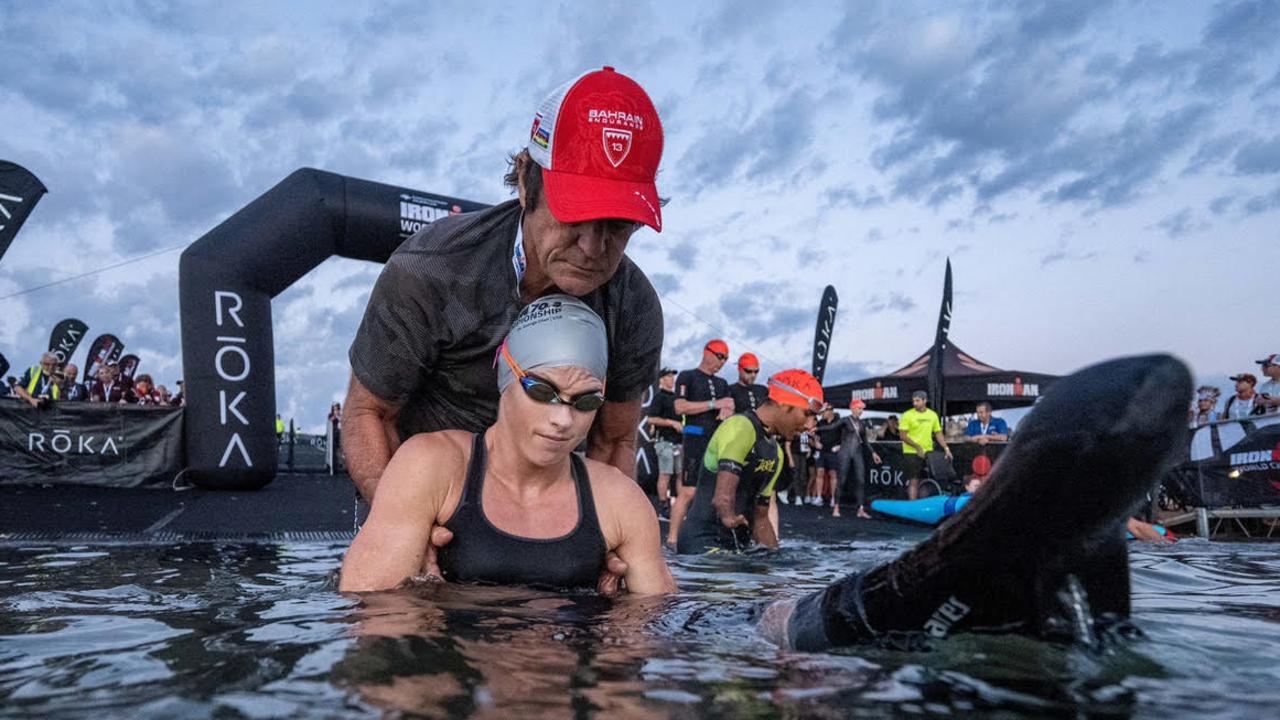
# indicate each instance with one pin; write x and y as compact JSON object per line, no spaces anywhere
{"x":39,"y":384}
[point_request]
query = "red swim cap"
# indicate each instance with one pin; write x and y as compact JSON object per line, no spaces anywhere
{"x":797,"y":388}
{"x":748,"y":361}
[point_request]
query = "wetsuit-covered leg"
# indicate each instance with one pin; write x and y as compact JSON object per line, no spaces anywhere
{"x":1046,"y":527}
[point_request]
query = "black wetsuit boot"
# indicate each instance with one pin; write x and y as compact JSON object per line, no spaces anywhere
{"x":1045,"y":532}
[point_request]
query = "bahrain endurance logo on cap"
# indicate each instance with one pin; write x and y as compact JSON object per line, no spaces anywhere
{"x":617,"y":144}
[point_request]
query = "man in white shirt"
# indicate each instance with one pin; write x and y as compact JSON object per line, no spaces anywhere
{"x":1269,"y":391}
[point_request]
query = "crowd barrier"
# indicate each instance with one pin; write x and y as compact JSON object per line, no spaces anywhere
{"x":77,"y":443}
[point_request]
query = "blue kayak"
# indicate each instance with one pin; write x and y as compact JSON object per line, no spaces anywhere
{"x":935,"y":509}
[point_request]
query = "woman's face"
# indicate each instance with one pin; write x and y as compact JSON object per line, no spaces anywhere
{"x":548,"y":432}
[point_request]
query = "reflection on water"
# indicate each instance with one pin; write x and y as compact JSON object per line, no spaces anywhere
{"x":204,"y":630}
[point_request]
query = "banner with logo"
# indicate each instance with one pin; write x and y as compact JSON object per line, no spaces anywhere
{"x":65,"y":338}
{"x":937,"y":354}
{"x":20,"y":190}
{"x":1234,"y":463}
{"x":822,"y":333}
{"x":129,"y":366}
{"x":90,"y":444}
{"x":888,"y":481}
{"x":100,"y":350}
{"x":4,"y":367}
{"x":646,"y":455}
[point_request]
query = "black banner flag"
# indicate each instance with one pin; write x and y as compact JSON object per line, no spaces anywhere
{"x":4,"y":366}
{"x":100,"y":352}
{"x":822,"y":333}
{"x":937,"y":388}
{"x":128,"y":366}
{"x":19,"y":193}
{"x":65,"y":338}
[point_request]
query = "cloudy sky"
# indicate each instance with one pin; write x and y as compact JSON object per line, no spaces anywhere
{"x":1105,"y":176}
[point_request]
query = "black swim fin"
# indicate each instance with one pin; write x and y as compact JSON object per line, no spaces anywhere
{"x":1049,"y":520}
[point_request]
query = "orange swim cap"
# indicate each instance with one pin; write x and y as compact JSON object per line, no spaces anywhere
{"x":797,"y":388}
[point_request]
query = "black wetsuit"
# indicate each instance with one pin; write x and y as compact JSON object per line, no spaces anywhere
{"x":743,"y":447}
{"x":480,"y":552}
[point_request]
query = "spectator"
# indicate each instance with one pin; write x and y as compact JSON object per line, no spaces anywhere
{"x":1206,"y":407}
{"x":178,"y":399}
{"x":107,"y":387}
{"x":38,"y":385}
{"x":747,"y":393}
{"x":665,"y":425}
{"x":984,"y":428}
{"x":890,"y":429}
{"x":919,"y":429}
{"x":797,"y":455}
{"x":163,"y":393}
{"x":143,"y":391}
{"x":703,"y":399}
{"x":1245,"y":401}
{"x":1269,"y":391}
{"x":72,"y":389}
{"x":279,"y":429}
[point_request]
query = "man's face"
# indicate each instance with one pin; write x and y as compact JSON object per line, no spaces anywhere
{"x":747,"y":376}
{"x":71,"y":373}
{"x":1243,"y":386}
{"x":48,"y":365}
{"x":667,"y":382}
{"x":794,"y":420}
{"x":713,"y":360}
{"x":856,"y":410}
{"x":984,"y":414}
{"x":919,"y":403}
{"x":105,"y":374}
{"x":577,"y":257}
{"x":1271,"y":371}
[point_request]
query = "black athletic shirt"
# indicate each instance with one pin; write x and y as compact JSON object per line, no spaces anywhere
{"x":699,"y":387}
{"x":480,"y":552}
{"x":664,"y":406}
{"x":748,"y":397}
{"x":445,"y":301}
{"x":829,"y":435}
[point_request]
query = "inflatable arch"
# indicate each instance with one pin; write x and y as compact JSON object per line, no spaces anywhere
{"x":227,"y":279}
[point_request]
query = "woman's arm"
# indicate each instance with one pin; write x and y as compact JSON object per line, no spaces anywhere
{"x":393,"y":542}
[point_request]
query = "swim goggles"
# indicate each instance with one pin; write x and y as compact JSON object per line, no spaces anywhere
{"x":544,"y":391}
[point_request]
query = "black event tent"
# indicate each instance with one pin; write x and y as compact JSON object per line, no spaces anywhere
{"x":968,"y":381}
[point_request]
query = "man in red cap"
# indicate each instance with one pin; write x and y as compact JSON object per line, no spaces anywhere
{"x":423,"y":358}
{"x":1246,"y":401}
{"x":739,"y":471}
{"x":703,"y":399}
{"x":1269,"y":391}
{"x":748,"y":394}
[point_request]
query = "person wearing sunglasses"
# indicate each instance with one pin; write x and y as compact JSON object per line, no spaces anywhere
{"x":703,"y":399}
{"x":521,"y":506}
{"x":748,"y":394}
{"x":739,"y":471}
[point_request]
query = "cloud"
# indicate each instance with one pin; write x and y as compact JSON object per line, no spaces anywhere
{"x":762,"y":310}
{"x":1178,"y":224}
{"x":1259,"y":157}
{"x":888,"y":302}
{"x":1262,"y":203}
{"x":1062,"y":254}
{"x":664,"y":283}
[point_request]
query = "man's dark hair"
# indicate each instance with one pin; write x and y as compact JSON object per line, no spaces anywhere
{"x":983,"y":404}
{"x":532,"y":177}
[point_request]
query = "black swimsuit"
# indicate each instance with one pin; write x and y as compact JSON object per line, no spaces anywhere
{"x":480,"y":552}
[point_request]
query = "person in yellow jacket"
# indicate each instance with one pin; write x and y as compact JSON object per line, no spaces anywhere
{"x":38,"y":382}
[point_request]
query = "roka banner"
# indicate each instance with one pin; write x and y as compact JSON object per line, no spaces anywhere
{"x":822,"y":333}
{"x":20,"y":190}
{"x":65,"y":338}
{"x":90,"y":444}
{"x":937,"y":355}
{"x":129,"y":366}
{"x":4,"y":366}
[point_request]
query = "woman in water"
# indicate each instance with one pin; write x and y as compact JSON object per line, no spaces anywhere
{"x":522,"y":507}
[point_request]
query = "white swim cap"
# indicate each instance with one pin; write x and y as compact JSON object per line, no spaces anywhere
{"x":556,"y":331}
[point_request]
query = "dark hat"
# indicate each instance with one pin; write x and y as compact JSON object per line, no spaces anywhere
{"x":1247,"y":377}
{"x":667,"y":371}
{"x":920,"y":394}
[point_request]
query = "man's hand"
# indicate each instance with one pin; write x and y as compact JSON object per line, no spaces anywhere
{"x":733,"y":521}
{"x":947,"y":451}
{"x":875,"y":457}
{"x":610,"y":582}
{"x":440,"y":536}
{"x":982,"y":440}
{"x":724,"y":414}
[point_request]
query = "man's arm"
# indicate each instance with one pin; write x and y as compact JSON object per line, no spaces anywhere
{"x":613,"y":435}
{"x":392,"y":544}
{"x":938,"y":438}
{"x":369,"y":436}
{"x":905,"y":438}
{"x":762,"y":529}
{"x":21,"y":389}
{"x":724,"y":500}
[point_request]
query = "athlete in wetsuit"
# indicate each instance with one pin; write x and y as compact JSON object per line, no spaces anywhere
{"x":1040,"y":548}
{"x":741,"y":466}
{"x":522,"y":508}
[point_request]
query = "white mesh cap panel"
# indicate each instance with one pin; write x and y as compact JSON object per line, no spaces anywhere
{"x":542,"y":137}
